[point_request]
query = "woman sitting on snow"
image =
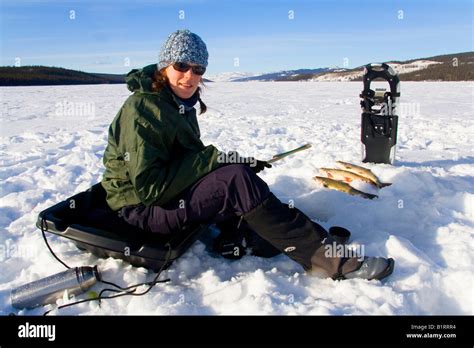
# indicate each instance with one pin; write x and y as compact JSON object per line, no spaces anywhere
{"x":160,"y":176}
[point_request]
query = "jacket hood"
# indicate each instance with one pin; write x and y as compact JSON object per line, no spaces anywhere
{"x":141,"y":79}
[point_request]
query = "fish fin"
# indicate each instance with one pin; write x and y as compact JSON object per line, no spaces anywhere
{"x":384,"y":184}
{"x":370,"y":196}
{"x":364,"y":194}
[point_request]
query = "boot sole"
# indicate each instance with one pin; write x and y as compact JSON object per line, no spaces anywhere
{"x":387,"y":271}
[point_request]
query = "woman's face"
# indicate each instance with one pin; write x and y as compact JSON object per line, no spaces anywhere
{"x":183,"y":84}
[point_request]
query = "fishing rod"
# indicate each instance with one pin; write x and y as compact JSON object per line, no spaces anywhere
{"x":280,"y":156}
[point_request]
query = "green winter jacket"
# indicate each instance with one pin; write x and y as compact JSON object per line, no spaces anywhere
{"x":154,"y":152}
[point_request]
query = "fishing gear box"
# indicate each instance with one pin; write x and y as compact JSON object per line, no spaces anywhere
{"x":87,"y":221}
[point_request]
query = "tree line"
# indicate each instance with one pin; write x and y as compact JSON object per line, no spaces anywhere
{"x":44,"y":76}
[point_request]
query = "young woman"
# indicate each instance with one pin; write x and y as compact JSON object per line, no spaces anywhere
{"x":161,"y":177}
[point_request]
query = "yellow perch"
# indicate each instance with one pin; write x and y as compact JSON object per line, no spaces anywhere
{"x":345,"y":175}
{"x":342,"y":186}
{"x":366,"y":173}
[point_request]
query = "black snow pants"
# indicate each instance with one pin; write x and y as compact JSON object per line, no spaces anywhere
{"x":229,"y":192}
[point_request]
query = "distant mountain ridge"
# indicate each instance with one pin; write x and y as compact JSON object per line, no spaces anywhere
{"x":229,"y":76}
{"x":450,"y":67}
{"x":282,"y":75}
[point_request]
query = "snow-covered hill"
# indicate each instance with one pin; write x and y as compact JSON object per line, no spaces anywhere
{"x":403,"y":68}
{"x":451,"y":67}
{"x":400,"y":68}
{"x":51,"y":146}
{"x":333,"y":74}
{"x":229,"y":76}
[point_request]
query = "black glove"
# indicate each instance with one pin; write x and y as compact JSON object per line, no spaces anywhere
{"x":257,"y":166}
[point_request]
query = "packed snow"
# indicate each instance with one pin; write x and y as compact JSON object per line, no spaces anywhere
{"x":53,"y":138}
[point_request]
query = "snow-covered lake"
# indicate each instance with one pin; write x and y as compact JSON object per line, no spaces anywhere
{"x":51,"y":146}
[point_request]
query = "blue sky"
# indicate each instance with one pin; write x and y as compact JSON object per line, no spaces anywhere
{"x":114,"y":36}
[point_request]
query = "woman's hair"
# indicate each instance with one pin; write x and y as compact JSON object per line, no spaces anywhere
{"x":160,"y":80}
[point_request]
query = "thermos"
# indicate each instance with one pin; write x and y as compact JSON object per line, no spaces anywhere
{"x":47,"y":290}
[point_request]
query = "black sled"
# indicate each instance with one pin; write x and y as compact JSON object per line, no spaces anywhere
{"x":379,"y":121}
{"x":87,"y":221}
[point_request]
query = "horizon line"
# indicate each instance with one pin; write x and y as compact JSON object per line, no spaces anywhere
{"x":242,"y":72}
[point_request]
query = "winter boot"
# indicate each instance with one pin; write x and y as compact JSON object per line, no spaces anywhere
{"x":236,"y":238}
{"x":230,"y":243}
{"x":304,"y":241}
{"x":326,"y":262}
{"x":287,"y":229}
{"x":372,"y":268}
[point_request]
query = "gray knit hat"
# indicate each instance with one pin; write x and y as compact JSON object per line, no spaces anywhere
{"x":185,"y":47}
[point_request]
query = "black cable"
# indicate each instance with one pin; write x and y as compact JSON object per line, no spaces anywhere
{"x":131,"y":292}
{"x":150,"y":284}
{"x":45,"y":223}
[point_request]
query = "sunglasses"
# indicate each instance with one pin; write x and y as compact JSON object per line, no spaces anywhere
{"x":184,"y":67}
